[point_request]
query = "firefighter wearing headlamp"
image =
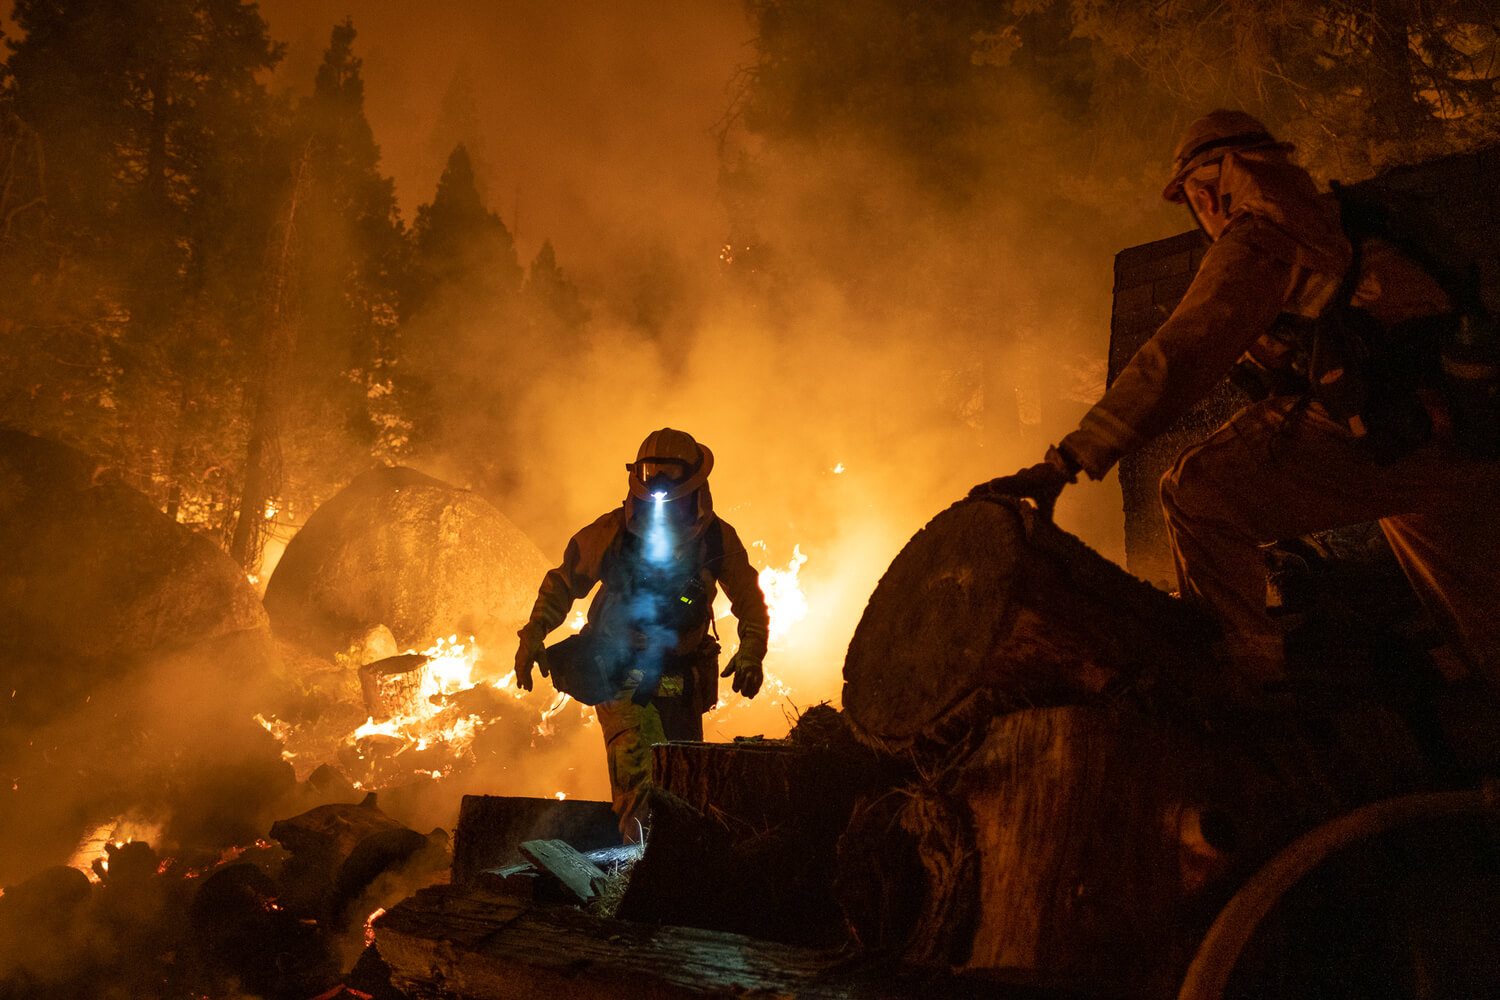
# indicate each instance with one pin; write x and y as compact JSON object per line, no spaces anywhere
{"x":648,"y":658}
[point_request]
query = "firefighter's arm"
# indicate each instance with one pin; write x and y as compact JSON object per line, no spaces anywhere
{"x":561,"y":586}
{"x":741,"y":585}
{"x":1234,"y":298}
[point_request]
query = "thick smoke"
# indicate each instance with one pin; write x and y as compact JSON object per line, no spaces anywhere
{"x":850,"y":388}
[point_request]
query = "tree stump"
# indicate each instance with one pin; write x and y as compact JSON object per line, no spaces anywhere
{"x":1063,"y":852}
{"x":991,"y":608}
{"x":744,"y":835}
{"x":1089,"y":847}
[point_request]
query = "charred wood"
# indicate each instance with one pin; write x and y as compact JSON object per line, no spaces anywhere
{"x":580,"y":875}
{"x":463,"y":943}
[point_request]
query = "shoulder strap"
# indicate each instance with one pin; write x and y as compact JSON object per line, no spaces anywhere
{"x":713,"y":546}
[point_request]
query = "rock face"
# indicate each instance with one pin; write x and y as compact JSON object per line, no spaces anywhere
{"x":401,"y":549}
{"x":95,"y":581}
{"x":134,"y":655}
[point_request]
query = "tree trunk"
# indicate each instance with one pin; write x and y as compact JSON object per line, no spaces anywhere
{"x":263,"y":451}
{"x":991,"y":608}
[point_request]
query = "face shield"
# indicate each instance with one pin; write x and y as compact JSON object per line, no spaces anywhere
{"x":666,"y":478}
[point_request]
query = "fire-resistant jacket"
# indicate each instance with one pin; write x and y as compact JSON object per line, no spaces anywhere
{"x":605,"y":553}
{"x":1282,"y":251}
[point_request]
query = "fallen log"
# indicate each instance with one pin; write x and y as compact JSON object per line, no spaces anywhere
{"x":337,"y":850}
{"x":992,"y":608}
{"x":465,"y":943}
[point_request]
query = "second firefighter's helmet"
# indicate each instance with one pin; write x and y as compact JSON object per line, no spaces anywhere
{"x":668,"y":466}
{"x":1209,"y":138}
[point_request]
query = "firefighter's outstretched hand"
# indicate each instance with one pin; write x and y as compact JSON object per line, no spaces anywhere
{"x":747,"y":671}
{"x":532,"y":636}
{"x":1041,"y":483}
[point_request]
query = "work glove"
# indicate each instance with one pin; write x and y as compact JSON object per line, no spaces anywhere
{"x":747,"y":673}
{"x":531,"y":650}
{"x":1040,"y":483}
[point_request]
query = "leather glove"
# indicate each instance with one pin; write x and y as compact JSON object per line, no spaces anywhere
{"x":532,"y":636}
{"x":1040,"y":483}
{"x":747,"y":673}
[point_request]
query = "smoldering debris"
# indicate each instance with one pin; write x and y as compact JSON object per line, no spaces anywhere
{"x":281,"y":918}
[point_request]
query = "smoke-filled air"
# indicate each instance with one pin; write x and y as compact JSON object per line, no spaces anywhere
{"x":861,"y":250}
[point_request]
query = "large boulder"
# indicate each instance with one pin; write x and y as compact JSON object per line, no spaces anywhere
{"x":133,"y":653}
{"x":95,"y":582}
{"x":407,"y":551}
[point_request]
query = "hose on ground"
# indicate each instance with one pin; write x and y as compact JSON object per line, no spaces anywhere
{"x":1232,"y":929}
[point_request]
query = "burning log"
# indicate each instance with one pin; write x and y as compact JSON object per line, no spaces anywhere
{"x":390,"y":685}
{"x":401,"y":548}
{"x":992,"y":608}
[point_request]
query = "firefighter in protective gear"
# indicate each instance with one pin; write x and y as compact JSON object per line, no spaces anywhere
{"x":1281,"y":467}
{"x":659,"y":559}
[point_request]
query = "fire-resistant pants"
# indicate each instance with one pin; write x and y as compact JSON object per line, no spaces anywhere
{"x":630,"y":730}
{"x":1276,"y":471}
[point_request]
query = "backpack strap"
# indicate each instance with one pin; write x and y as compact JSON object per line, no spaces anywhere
{"x":1363,"y":217}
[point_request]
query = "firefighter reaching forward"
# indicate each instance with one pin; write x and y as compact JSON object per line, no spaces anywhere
{"x":647,"y":658}
{"x":1285,"y":295}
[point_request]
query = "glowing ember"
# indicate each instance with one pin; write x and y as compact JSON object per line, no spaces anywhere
{"x":117,"y":832}
{"x":277,"y":728}
{"x":370,"y":926}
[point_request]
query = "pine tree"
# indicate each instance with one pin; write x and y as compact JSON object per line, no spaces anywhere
{"x":459,"y":242}
{"x":556,"y":307}
{"x":466,"y":333}
{"x":159,"y":174}
{"x":343,"y":407}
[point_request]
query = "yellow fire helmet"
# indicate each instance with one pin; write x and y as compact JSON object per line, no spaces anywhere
{"x":669,"y":465}
{"x":1209,"y":138}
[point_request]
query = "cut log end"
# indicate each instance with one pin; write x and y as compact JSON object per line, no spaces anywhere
{"x":992,"y":608}
{"x":924,"y":641}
